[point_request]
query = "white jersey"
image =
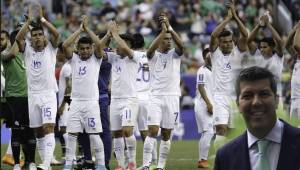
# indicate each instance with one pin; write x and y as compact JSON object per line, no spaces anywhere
{"x":295,"y":81}
{"x":274,"y":64}
{"x":123,"y":78}
{"x":143,"y":76}
{"x":40,"y":69}
{"x":204,"y":77}
{"x":165,"y":73}
{"x":222,"y":71}
{"x":85,"y":78}
{"x":64,"y":73}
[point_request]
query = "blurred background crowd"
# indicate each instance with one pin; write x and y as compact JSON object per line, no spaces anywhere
{"x":194,"y":20}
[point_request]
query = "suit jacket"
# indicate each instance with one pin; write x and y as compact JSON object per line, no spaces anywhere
{"x":235,"y":154}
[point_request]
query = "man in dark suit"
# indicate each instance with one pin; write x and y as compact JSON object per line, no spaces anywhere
{"x":268,"y":143}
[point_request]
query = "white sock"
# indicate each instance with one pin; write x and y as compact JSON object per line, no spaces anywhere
{"x":204,"y":144}
{"x":131,"y":147}
{"x":65,"y":136}
{"x":49,"y":148}
{"x":40,"y":145}
{"x":97,"y":146}
{"x":219,"y":141}
{"x":119,"y":147}
{"x":9,"y":151}
{"x":164,"y":150}
{"x":148,"y":148}
{"x":70,"y":149}
{"x":154,"y":152}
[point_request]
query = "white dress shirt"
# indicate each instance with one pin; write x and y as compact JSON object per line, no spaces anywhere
{"x":275,"y":138}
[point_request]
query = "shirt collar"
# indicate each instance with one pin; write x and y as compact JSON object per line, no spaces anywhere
{"x":275,"y":135}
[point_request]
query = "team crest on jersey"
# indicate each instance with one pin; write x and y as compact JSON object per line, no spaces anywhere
{"x":227,"y":66}
{"x":36,"y":64}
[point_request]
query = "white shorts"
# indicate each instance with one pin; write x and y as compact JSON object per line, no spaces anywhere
{"x":295,"y":108}
{"x":64,"y":117}
{"x":223,"y":110}
{"x":123,"y":112}
{"x":163,"y":111}
{"x":142,"y":115}
{"x":203,"y":118}
{"x":84,"y":115}
{"x":42,"y":109}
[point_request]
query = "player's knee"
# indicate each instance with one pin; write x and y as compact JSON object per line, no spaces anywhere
{"x":221,"y":130}
{"x":165,"y":134}
{"x":153,"y":131}
{"x":127,"y":131}
{"x":117,"y":134}
{"x":63,"y":129}
{"x":48,"y":128}
{"x":39,"y":132}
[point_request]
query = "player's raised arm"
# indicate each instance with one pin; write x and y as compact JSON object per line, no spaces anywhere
{"x":276,"y":37}
{"x":20,"y":38}
{"x":99,"y":47}
{"x":297,"y":39}
{"x":290,"y":40}
{"x":179,"y":44}
{"x":69,"y":42}
{"x":54,"y":35}
{"x":154,"y":45}
{"x":242,"y":43}
{"x":120,"y":42}
{"x":214,"y":35}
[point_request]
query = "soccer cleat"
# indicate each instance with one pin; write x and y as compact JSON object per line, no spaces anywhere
{"x":145,"y":168}
{"x":203,"y":164}
{"x":43,"y":167}
{"x":119,"y":168}
{"x":158,"y":169}
{"x":67,"y":167}
{"x":17,"y":167}
{"x":131,"y":166}
{"x":55,"y":162}
{"x":32,"y":166}
{"x":100,"y":167}
{"x":9,"y":160}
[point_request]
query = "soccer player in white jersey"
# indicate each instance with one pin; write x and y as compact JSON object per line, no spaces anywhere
{"x":84,"y":113}
{"x":163,"y":108}
{"x":143,"y":89}
{"x":64,"y":100}
{"x":123,"y":107}
{"x":268,"y":52}
{"x":40,"y":59}
{"x":204,"y":108}
{"x":293,"y":46}
{"x":223,"y":53}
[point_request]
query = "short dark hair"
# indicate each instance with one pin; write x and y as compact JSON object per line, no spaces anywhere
{"x":138,"y":41}
{"x":269,"y":40}
{"x":12,"y":36}
{"x":5,"y":32}
{"x":60,"y":46}
{"x":224,"y":33}
{"x":85,"y":40}
{"x":36,"y":28}
{"x":204,"y":53}
{"x":253,"y":74}
{"x":128,"y":37}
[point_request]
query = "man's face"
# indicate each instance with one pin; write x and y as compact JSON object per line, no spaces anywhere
{"x":258,"y":104}
{"x":265,"y":49}
{"x":167,"y":42}
{"x":226,"y":44}
{"x":85,"y":51}
{"x":3,"y":43}
{"x":38,"y":39}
